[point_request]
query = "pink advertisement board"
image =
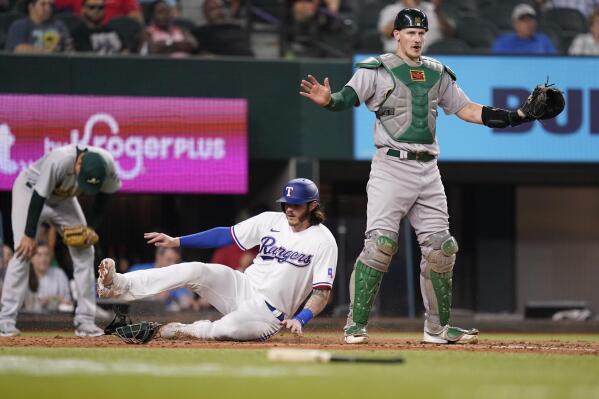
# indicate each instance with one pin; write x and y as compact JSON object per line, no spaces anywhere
{"x":160,"y":144}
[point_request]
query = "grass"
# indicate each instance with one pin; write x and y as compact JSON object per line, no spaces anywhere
{"x":138,"y":372}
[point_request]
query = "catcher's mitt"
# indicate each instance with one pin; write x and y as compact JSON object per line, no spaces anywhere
{"x":544,"y":102}
{"x":138,"y":333}
{"x":79,"y":236}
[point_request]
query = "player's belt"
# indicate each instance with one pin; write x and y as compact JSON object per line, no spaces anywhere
{"x":413,"y":156}
{"x":276,"y":312}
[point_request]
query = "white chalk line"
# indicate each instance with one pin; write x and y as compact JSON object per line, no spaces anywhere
{"x":40,"y":366}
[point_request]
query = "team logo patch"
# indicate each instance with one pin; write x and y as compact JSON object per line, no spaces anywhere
{"x":417,"y":21}
{"x":417,"y":76}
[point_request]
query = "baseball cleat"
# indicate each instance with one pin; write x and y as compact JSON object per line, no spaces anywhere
{"x":451,"y":335}
{"x":88,"y":330}
{"x":170,"y":331}
{"x":8,"y":330}
{"x":356,"y":334}
{"x":106,"y":276}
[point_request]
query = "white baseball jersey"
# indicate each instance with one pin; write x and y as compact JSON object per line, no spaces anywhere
{"x":290,"y":264}
{"x":53,"y":176}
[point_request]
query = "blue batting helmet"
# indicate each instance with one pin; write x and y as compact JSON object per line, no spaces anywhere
{"x":299,"y":191}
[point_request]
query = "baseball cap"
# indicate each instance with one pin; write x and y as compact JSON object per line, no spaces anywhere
{"x":522,"y":10}
{"x":92,"y":172}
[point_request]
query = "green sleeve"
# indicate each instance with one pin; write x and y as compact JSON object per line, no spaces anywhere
{"x":343,"y":99}
{"x":33,"y":214}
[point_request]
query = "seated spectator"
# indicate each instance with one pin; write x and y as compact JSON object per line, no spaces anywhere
{"x":147,"y":4}
{"x":524,"y":39}
{"x":179,"y":298}
{"x":49,"y":286}
{"x":439,"y":25}
{"x":38,"y":32}
{"x":93,"y":35}
{"x":587,"y":43}
{"x":114,"y":8}
{"x":162,"y":37}
{"x":232,"y":256}
{"x":220,"y":34}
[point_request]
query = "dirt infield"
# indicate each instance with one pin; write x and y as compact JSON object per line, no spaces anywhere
{"x":317,"y":341}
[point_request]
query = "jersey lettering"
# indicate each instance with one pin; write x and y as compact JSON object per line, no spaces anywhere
{"x":269,"y":250}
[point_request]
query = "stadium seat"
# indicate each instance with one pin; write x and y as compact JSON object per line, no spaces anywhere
{"x":554,"y":32}
{"x":184,"y":23}
{"x":449,"y":46}
{"x":499,"y":15}
{"x":71,"y":21}
{"x":460,"y":8}
{"x":224,"y":39}
{"x":129,"y":29}
{"x":478,"y":33}
{"x":571,"y":21}
{"x":367,"y":36}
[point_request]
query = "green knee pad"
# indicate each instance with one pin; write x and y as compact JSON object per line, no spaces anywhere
{"x":367,"y":283}
{"x":442,"y":284}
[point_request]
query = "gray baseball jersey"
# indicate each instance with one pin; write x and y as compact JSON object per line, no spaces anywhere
{"x":53,"y":175}
{"x":372,"y":85}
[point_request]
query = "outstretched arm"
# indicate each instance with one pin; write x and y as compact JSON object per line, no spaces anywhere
{"x":316,"y":303}
{"x":492,"y":117}
{"x":213,"y":238}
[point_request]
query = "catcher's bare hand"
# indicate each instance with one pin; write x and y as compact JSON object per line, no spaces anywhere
{"x":162,"y":240}
{"x":319,"y":94}
{"x":26,"y":248}
{"x":294,"y":325}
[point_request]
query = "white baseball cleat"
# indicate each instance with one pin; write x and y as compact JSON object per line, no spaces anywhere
{"x":106,"y":276}
{"x":451,"y":335}
{"x":8,"y":330}
{"x":88,"y":330}
{"x":355,"y":334}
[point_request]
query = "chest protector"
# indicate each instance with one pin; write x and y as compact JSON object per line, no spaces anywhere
{"x":409,"y":112}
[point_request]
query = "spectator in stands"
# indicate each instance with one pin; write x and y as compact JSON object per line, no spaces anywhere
{"x":177,"y":299}
{"x":585,"y":7}
{"x":49,"y":286}
{"x":93,"y":35}
{"x":587,"y":43}
{"x":147,"y":4}
{"x":115,"y":8}
{"x":439,"y":25}
{"x":524,"y":39}
{"x":234,"y":257}
{"x":38,"y":32}
{"x":162,"y":37}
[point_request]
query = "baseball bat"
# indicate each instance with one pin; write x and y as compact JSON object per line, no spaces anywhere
{"x":320,"y":356}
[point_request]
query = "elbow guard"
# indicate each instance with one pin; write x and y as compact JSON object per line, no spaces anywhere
{"x":500,"y":118}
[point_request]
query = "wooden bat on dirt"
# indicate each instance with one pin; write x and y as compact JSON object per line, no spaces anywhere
{"x":320,"y":356}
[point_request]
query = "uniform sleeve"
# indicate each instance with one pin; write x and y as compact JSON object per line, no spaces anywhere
{"x":112,"y":183}
{"x":363,"y":83}
{"x":248,"y":233}
{"x":325,"y":267}
{"x":451,"y":97}
{"x":49,"y":175}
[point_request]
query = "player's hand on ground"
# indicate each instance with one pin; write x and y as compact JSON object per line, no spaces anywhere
{"x":294,"y":325}
{"x":26,"y":248}
{"x":319,"y":94}
{"x":162,"y":240}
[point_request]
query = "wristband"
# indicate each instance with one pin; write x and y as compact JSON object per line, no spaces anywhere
{"x":304,"y":316}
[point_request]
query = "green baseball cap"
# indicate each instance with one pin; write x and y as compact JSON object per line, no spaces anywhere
{"x":92,"y":173}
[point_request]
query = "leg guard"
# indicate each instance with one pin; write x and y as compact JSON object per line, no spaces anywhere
{"x":438,"y":259}
{"x":373,"y":262}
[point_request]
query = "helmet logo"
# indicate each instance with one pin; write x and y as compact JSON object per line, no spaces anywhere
{"x":93,"y":180}
{"x":417,"y":21}
{"x":289,"y":190}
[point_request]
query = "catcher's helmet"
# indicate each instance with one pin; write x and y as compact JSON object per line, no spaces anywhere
{"x":299,"y":191}
{"x":411,"y":18}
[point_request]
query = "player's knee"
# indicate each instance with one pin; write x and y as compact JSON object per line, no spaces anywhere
{"x":439,"y":250}
{"x":379,"y":248}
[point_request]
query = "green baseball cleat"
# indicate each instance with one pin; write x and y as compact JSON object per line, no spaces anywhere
{"x":356,"y":334}
{"x":451,"y":335}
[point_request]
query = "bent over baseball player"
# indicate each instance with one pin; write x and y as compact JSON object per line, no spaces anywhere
{"x":297,"y":258}
{"x":404,"y":90}
{"x":46,"y":192}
